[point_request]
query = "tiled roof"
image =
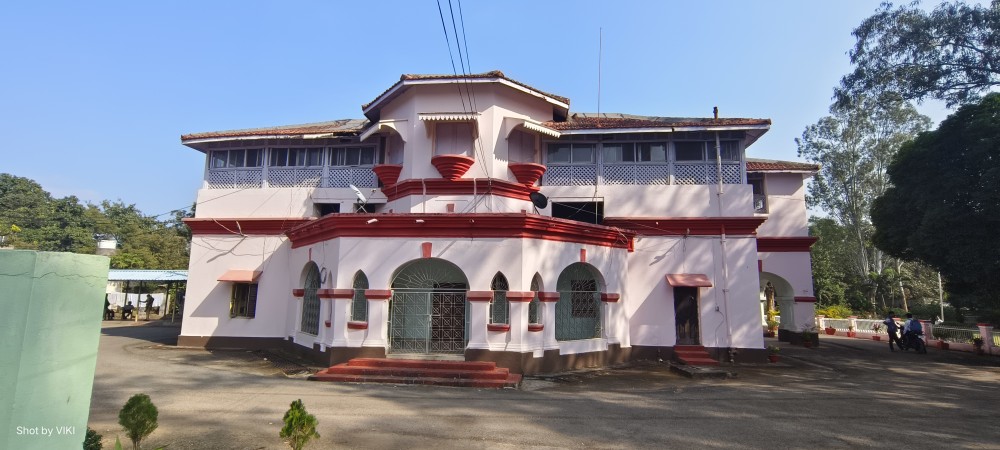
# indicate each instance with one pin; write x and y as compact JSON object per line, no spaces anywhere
{"x":590,"y":121}
{"x":147,"y":275}
{"x":335,"y":127}
{"x":490,"y":74}
{"x":770,"y":165}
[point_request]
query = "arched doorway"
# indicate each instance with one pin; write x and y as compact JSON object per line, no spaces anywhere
{"x":578,"y":311}
{"x":775,"y":289}
{"x":427,"y":312}
{"x":309,"y":322}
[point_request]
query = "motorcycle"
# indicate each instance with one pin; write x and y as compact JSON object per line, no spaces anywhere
{"x":913,"y":341}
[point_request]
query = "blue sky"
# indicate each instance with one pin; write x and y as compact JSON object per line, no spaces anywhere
{"x":95,"y":95}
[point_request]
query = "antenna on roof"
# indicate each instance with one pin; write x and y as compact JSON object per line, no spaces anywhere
{"x":600,"y":50}
{"x":362,"y":200}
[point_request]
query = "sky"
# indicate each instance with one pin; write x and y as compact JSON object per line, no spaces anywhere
{"x":94,"y":96}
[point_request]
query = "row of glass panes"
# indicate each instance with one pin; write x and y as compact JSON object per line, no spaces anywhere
{"x":639,"y":152}
{"x":293,"y":157}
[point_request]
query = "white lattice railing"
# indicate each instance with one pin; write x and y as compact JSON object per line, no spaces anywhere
{"x":294,"y":177}
{"x":570,"y":175}
{"x":637,"y":174}
{"x":341,"y":177}
{"x":235,"y":178}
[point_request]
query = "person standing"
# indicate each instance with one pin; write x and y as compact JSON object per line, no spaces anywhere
{"x":891,"y":327}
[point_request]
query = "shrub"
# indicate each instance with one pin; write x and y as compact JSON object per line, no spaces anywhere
{"x":836,"y":311}
{"x":138,"y":418}
{"x":300,"y":426}
{"x":92,"y":441}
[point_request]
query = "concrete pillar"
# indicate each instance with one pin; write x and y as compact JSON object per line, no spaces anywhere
{"x":986,"y":332}
{"x":340,"y":314}
{"x":609,"y":305}
{"x":378,"y":318}
{"x":479,"y":317}
{"x":928,"y":328}
{"x":821,"y":321}
{"x":518,"y":302}
{"x":547,"y":302}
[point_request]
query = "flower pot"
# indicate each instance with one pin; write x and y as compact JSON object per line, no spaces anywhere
{"x":876,"y":338}
{"x":388,"y":174}
{"x":773,"y":358}
{"x":830,"y":330}
{"x":942,"y":345}
{"x":452,"y":167}
{"x":807,"y":343}
{"x":852,"y":334}
{"x":769,"y":334}
{"x":527,"y":173}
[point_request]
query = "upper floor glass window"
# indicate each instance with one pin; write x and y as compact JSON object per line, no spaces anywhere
{"x":296,"y":157}
{"x":635,"y":152}
{"x":705,"y":151}
{"x":453,"y":138}
{"x":353,"y":156}
{"x":224,"y":159}
{"x":571,"y":153}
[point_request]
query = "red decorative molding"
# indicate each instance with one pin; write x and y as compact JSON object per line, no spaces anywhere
{"x":255,"y":227}
{"x":378,"y":294}
{"x":535,"y":327}
{"x":425,"y":249}
{"x":498,"y":327}
{"x":785,"y":244}
{"x":520,"y":297}
{"x":327,"y":323}
{"x":388,"y":174}
{"x":982,"y":324}
{"x":479,"y":296}
{"x":357,"y":325}
{"x":452,"y":167}
{"x":687,"y":226}
{"x":610,"y":298}
{"x":548,"y":297}
{"x":760,"y":265}
{"x":805,"y":299}
{"x":527,"y":173}
{"x":481,"y":225}
{"x":461,"y":186}
{"x":583,"y":255}
{"x":298,"y":292}
{"x":336,"y":293}
{"x":450,"y":207}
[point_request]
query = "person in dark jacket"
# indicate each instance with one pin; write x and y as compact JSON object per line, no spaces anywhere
{"x":891,"y":327}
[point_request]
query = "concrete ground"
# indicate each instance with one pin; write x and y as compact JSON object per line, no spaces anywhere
{"x":846,"y":393}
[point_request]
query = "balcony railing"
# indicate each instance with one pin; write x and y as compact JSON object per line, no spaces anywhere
{"x":641,"y":174}
{"x":285,"y":177}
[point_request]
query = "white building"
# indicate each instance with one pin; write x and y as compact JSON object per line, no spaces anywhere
{"x":655,"y":232}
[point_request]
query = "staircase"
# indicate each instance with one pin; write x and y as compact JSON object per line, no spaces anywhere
{"x":405,"y":371}
{"x":693,"y":355}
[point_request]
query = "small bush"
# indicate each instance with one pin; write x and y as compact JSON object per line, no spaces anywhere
{"x":138,"y":418}
{"x":92,"y":441}
{"x":836,"y":311}
{"x":300,"y":426}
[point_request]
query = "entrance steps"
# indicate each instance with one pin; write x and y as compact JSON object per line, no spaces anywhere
{"x":693,"y":355}
{"x":478,"y":374}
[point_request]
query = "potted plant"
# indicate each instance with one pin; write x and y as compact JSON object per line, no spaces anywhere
{"x":877,"y":328}
{"x":772,"y":327}
{"x":830,"y":331}
{"x":810,"y":337}
{"x":772,"y":353}
{"x":977,"y":342}
{"x":851,"y":332}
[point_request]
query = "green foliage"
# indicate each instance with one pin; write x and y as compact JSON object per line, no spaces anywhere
{"x":92,"y":440}
{"x":946,"y":193}
{"x":835,"y":311}
{"x":300,"y":426}
{"x":948,"y":53}
{"x":138,"y":418}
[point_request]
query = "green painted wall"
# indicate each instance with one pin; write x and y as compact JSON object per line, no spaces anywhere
{"x":51,"y":306}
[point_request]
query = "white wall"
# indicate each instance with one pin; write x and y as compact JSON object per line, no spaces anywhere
{"x":660,"y":201}
{"x":786,"y":208}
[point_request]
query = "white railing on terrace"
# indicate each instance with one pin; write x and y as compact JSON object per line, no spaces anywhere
{"x":641,"y":174}
{"x":955,"y":334}
{"x":285,"y":177}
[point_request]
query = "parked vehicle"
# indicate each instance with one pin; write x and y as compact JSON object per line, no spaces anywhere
{"x":913,"y":341}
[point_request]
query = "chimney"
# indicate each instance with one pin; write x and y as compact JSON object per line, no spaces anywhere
{"x":715,"y":112}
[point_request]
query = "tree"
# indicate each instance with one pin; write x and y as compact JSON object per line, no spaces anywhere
{"x":300,"y":426}
{"x":944,"y":206}
{"x":138,"y":418}
{"x":951,"y":53}
{"x":854,"y":146}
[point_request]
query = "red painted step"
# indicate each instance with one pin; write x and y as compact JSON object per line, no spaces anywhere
{"x":693,"y":355}
{"x":439,"y":373}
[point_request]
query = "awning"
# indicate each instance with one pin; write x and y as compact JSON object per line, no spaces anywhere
{"x":385,"y":125}
{"x":448,"y":117}
{"x":240,"y":276}
{"x":688,"y":280}
{"x":539,"y":128}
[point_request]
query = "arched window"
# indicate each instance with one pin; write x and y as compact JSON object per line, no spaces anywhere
{"x":359,"y":305}
{"x":310,"y":303}
{"x":578,"y":311}
{"x":534,"y":312}
{"x":499,"y":310}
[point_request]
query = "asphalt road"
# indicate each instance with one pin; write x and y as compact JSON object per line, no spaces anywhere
{"x":847,"y":393}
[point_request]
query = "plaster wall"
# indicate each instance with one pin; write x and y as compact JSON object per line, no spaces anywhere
{"x":276,"y":202}
{"x":660,"y":201}
{"x":786,"y":197}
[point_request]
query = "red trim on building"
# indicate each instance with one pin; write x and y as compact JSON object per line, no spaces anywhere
{"x":498,"y":327}
{"x":336,"y":293}
{"x":478,"y":225}
{"x":688,"y":280}
{"x":984,"y":325}
{"x":461,"y":186}
{"x":298,"y":293}
{"x":785,"y":244}
{"x":352,"y":325}
{"x":520,"y":297}
{"x":378,"y":294}
{"x":548,"y":297}
{"x":760,"y":265}
{"x":426,"y":249}
{"x":241,"y":276}
{"x":805,"y":299}
{"x":535,"y":327}
{"x":479,"y":296}
{"x":527,"y":173}
{"x":583,"y":255}
{"x":687,"y":226}
{"x":609,"y":297}
{"x":238,"y":227}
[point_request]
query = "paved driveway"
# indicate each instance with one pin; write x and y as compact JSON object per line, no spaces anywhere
{"x":846,"y":393}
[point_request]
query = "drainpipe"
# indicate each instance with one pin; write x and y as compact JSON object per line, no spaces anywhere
{"x":725,"y":264}
{"x":423,"y":197}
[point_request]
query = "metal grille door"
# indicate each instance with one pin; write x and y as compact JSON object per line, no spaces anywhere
{"x":427,"y":322}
